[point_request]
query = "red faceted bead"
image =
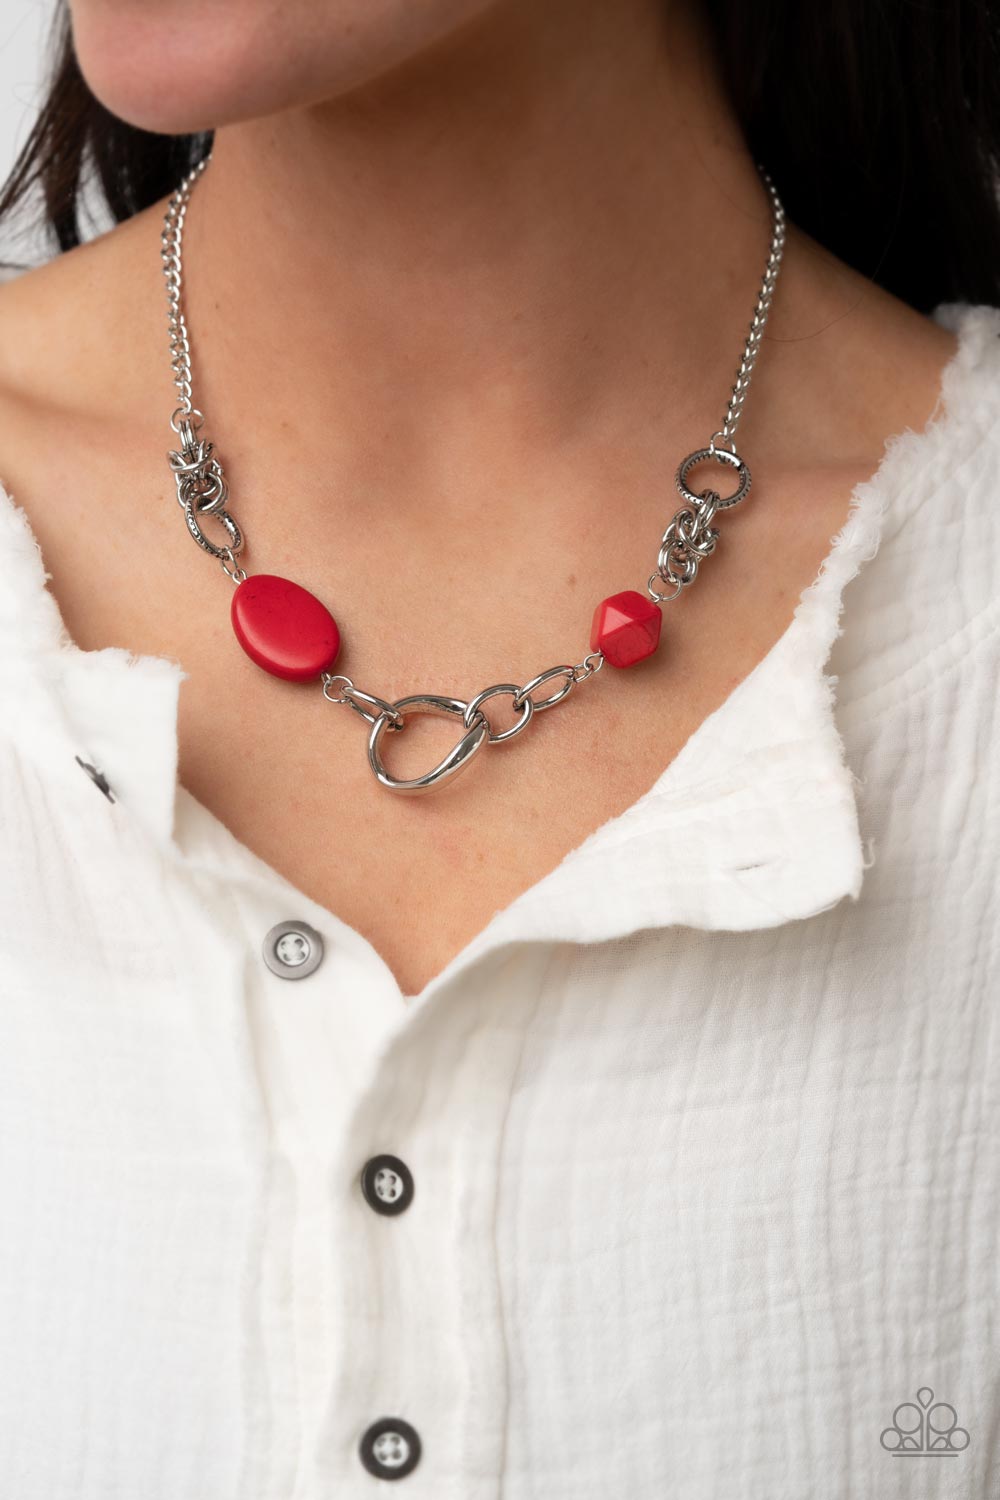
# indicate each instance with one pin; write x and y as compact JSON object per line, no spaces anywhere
{"x":626,"y":628}
{"x":284,"y":628}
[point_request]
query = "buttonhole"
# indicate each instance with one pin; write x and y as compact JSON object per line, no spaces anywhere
{"x":97,"y":777}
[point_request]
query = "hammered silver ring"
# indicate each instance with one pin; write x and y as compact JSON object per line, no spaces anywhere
{"x":230,"y":526}
{"x":721,"y":456}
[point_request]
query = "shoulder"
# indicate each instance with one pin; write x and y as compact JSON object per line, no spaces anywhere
{"x":904,"y":404}
{"x":78,"y":336}
{"x":970,"y":390}
{"x":847,"y":364}
{"x":923,"y":617}
{"x":74,"y":333}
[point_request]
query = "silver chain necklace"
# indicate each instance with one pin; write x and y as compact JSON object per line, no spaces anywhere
{"x":291,"y":634}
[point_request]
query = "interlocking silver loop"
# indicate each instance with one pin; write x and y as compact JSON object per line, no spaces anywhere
{"x":328,"y":679}
{"x":678,"y":561}
{"x":230,"y":566}
{"x":191,"y":415}
{"x":592,"y":662}
{"x":688,"y":540}
{"x":567,"y":673}
{"x":355,"y":698}
{"x":198,"y":474}
{"x":656,"y":593}
{"x":525,"y":707}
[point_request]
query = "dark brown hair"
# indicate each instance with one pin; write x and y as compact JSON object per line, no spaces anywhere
{"x":879,"y":121}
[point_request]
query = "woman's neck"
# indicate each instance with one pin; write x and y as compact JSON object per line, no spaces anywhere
{"x":546,"y":229}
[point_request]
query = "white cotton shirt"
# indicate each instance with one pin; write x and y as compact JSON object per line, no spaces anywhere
{"x":703,"y":1128}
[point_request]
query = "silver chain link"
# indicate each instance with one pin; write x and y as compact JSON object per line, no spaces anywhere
{"x":765,"y":296}
{"x":690,"y":537}
{"x":171,"y":242}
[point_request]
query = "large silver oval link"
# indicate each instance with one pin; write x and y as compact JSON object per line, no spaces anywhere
{"x":456,"y":761}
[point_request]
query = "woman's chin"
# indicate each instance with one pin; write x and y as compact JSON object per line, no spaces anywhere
{"x":169,"y":70}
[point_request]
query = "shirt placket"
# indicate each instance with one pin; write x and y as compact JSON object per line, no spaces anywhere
{"x":418,"y":1384}
{"x":380,"y":1310}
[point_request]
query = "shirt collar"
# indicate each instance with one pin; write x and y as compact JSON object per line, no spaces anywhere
{"x":754,"y":823}
{"x":115,"y":710}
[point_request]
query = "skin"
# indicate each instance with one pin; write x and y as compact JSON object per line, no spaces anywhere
{"x":466,"y":279}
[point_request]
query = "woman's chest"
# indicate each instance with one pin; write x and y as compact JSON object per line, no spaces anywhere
{"x":288,"y":773}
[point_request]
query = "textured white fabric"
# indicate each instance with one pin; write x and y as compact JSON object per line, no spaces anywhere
{"x":704,"y":1127}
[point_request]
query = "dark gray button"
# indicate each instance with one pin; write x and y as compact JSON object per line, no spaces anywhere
{"x":97,"y":777}
{"x":293,"y":949}
{"x":390,"y":1449}
{"x":387,"y":1184}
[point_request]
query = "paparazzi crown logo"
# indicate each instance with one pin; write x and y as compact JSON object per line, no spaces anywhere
{"x":924,"y":1428}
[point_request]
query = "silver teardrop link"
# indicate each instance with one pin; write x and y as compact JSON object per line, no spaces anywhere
{"x":458,"y":759}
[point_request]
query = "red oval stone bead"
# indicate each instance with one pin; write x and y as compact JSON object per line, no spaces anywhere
{"x":626,"y":628}
{"x":284,"y":628}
